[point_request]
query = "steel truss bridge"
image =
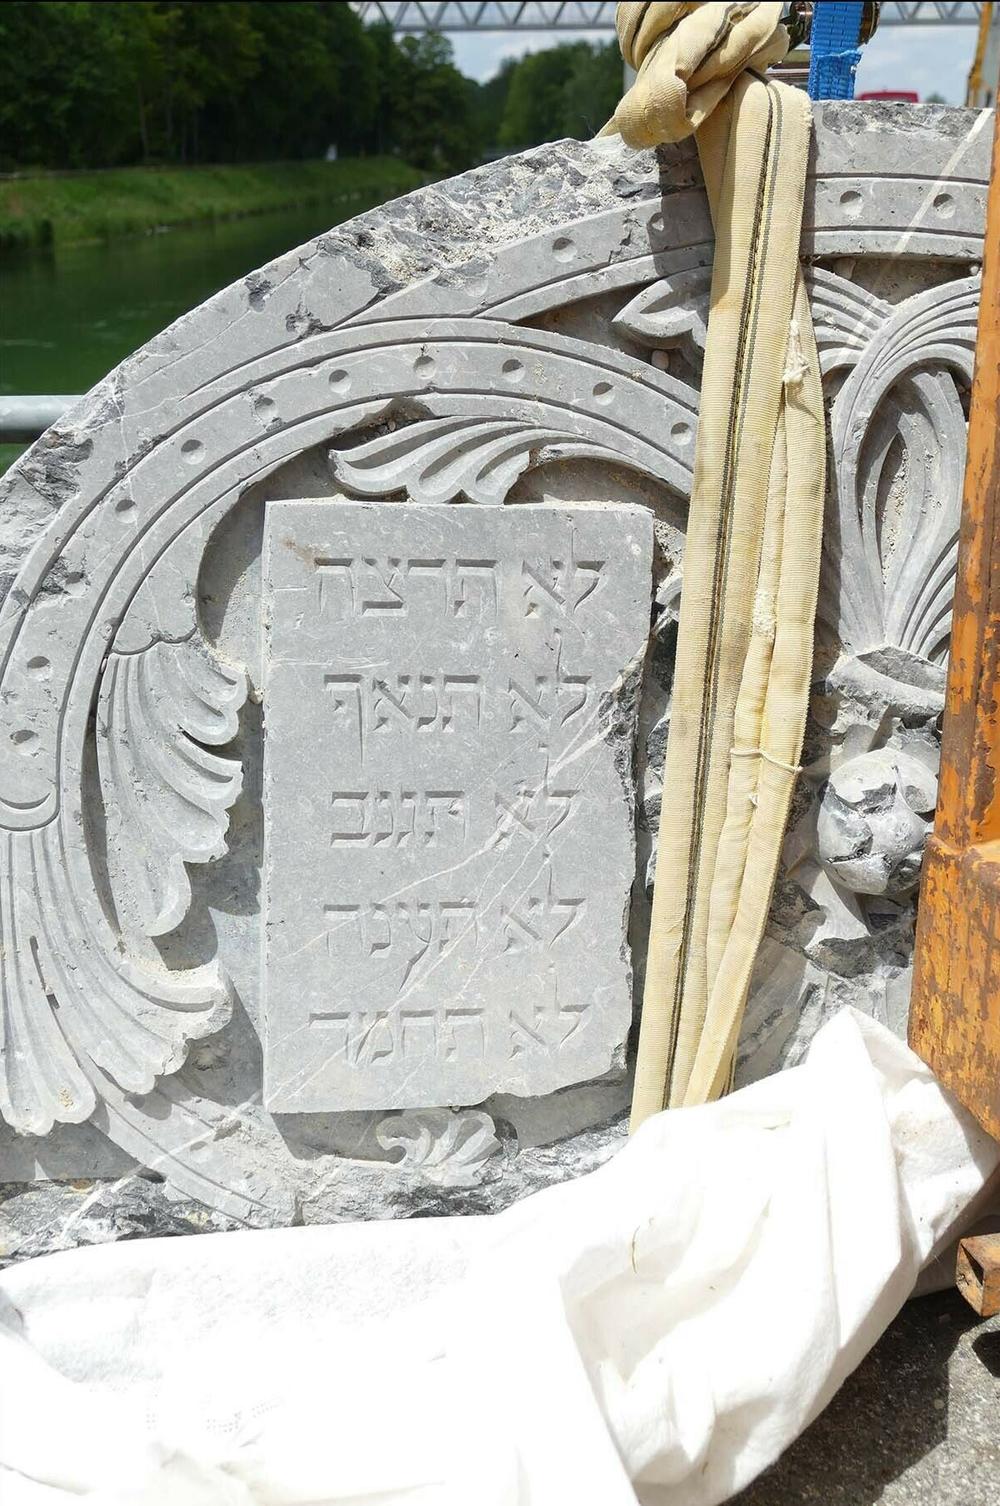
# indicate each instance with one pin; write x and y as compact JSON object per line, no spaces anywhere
{"x":599,"y":15}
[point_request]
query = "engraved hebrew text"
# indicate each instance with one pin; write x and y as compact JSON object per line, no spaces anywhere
{"x":449,"y":840}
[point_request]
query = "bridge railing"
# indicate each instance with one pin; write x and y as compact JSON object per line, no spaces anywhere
{"x":599,"y":15}
{"x":22,"y":419}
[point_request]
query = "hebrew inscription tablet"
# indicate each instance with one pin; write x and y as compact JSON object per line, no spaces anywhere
{"x":449,"y":836}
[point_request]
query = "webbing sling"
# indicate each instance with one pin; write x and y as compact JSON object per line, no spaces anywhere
{"x":751,"y":563}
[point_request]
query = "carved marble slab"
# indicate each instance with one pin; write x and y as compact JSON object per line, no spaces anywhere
{"x":528,"y":334}
{"x":449,"y":845}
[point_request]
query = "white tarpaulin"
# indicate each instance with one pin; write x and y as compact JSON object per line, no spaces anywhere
{"x":659,"y":1330}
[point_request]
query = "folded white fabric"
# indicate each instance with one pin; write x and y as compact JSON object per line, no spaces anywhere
{"x":658,"y":1331}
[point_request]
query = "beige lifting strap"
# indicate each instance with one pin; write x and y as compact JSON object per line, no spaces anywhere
{"x":751,"y":563}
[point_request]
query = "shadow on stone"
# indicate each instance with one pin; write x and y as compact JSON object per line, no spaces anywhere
{"x":987,"y":1348}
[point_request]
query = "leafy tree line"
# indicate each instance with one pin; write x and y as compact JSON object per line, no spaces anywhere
{"x":569,"y":90}
{"x":106,"y":83}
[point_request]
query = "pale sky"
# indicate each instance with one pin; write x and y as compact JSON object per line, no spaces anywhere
{"x":929,"y":59}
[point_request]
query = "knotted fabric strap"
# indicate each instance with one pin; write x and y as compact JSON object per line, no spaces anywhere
{"x":751,"y":563}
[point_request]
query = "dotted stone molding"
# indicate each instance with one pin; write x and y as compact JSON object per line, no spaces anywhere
{"x":528,"y":333}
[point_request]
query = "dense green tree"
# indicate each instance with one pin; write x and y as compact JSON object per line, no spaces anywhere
{"x":101,"y":83}
{"x":533,"y":111}
{"x":489,"y":102}
{"x":433,"y":118}
{"x":211,"y":54}
{"x":569,"y":90}
{"x":312,"y":86}
{"x":591,"y":91}
{"x":61,"y":97}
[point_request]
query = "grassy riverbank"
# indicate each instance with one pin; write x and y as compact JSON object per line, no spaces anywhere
{"x":70,"y":208}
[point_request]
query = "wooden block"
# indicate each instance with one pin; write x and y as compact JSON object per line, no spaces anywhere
{"x":977,"y":1273}
{"x":955,"y":1004}
{"x":955,"y":1007}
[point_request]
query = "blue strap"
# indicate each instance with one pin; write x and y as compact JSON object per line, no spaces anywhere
{"x":834,"y":53}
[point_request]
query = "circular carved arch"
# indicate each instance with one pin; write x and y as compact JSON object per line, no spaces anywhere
{"x":480,"y":323}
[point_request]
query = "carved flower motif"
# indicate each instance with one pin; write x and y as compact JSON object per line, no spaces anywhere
{"x":445,"y":1147}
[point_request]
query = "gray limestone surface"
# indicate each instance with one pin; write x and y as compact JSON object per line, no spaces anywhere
{"x":449,"y":846}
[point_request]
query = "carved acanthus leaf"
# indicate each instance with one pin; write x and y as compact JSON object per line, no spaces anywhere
{"x":446,"y":1147}
{"x":166,"y":797}
{"x":77,"y":1006}
{"x":671,"y":313}
{"x":71,"y":998}
{"x":897,"y":428}
{"x":445,"y":459}
{"x":845,"y":317}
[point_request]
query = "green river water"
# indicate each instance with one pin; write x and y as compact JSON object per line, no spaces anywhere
{"x":68,"y":317}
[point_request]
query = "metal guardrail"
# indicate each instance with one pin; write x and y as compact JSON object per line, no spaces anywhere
{"x":22,"y":419}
